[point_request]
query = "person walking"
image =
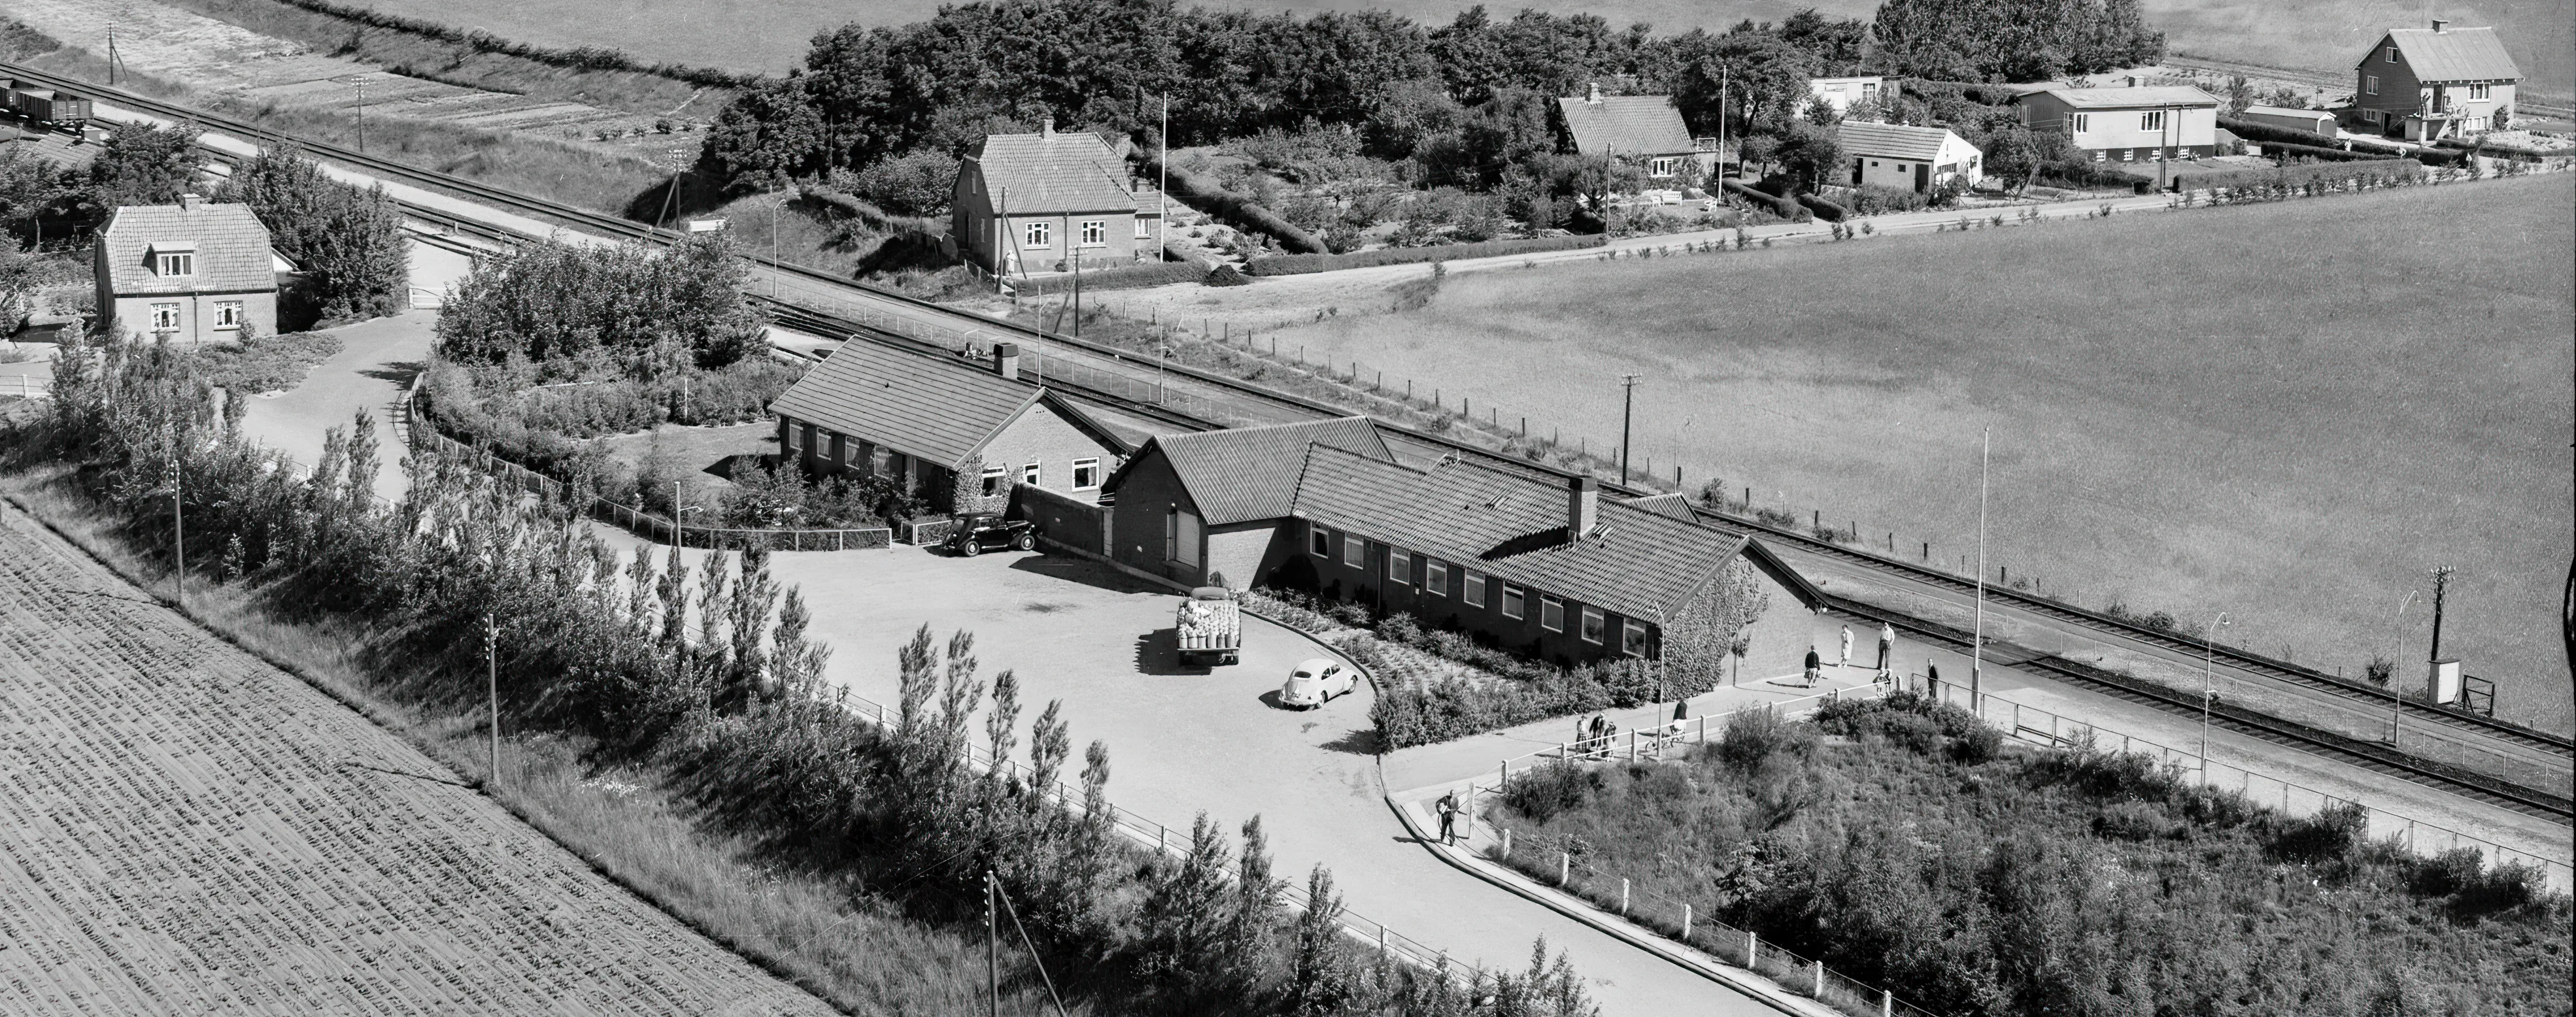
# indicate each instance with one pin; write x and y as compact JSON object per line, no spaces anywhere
{"x":1932,"y":677}
{"x":1449,"y":811}
{"x":1600,"y":724}
{"x":1815,"y":664}
{"x":1846,"y":661}
{"x":1886,"y":646}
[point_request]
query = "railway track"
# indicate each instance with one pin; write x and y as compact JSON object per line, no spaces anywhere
{"x":1271,"y":403}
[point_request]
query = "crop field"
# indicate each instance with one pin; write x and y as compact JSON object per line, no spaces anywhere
{"x":2288,"y":412}
{"x":194,"y":831}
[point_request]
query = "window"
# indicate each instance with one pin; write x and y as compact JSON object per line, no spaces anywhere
{"x":2371,"y":114}
{"x":228,"y":314}
{"x":2370,"y":84}
{"x":1873,"y":162}
{"x":1515,"y":601}
{"x":993,"y":480}
{"x":856,"y":453}
{"x":1662,"y":166}
{"x":2479,"y":92}
{"x":1086,"y":474}
{"x":2128,"y":155}
{"x":1354,"y":551}
{"x":1551,"y":613}
{"x":1095,"y":232}
{"x":1596,"y":626}
{"x":1144,"y":228}
{"x":1034,"y":234}
{"x":1435,"y":576}
{"x":2390,"y":55}
{"x":1475,"y":589}
{"x":175,"y":263}
{"x":1869,"y":90}
{"x":787,"y":433}
{"x":809,"y":437}
{"x":2153,"y":120}
{"x":165,"y":317}
{"x":2083,"y":122}
{"x":1029,"y":474}
{"x":1399,"y":566}
{"x":1632,"y":640}
{"x":1323,"y":541}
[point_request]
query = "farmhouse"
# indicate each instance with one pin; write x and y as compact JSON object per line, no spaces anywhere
{"x":2128,"y":124}
{"x":2424,"y":84}
{"x":1841,"y":93}
{"x":930,"y":422}
{"x":1049,"y":202}
{"x":2312,"y":120}
{"x":1909,"y":158}
{"x":190,"y":271}
{"x":1643,"y":129}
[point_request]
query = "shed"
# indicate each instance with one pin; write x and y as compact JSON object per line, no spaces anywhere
{"x":2313,"y":120}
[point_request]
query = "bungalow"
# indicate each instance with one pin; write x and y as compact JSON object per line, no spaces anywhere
{"x":2129,"y":124}
{"x":2424,"y":84}
{"x":191,"y":271}
{"x":1908,"y":158}
{"x":931,"y":422}
{"x":1644,"y":129}
{"x":1197,"y":506}
{"x":1043,"y":202}
{"x":1841,"y":93}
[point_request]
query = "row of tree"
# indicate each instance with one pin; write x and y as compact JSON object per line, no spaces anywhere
{"x":571,"y":310}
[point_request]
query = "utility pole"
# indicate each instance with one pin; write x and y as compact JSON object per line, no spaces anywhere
{"x":1721,"y":126}
{"x":362,"y":117}
{"x":2208,"y":687}
{"x":992,"y":943}
{"x":2396,"y":695}
{"x":1163,"y":181}
{"x":1977,"y":643}
{"x":111,"y":56}
{"x":2441,"y":587}
{"x":492,"y":686}
{"x":178,"y":528}
{"x":1626,"y":416}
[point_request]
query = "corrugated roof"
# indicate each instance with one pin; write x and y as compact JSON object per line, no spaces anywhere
{"x":2285,"y":111}
{"x":1626,"y":125}
{"x":1636,"y":561}
{"x":1247,"y":473}
{"x":931,"y":408}
{"x":1039,"y":174}
{"x":2453,"y":54}
{"x":232,"y":253}
{"x":2141,"y":97}
{"x":1892,"y":141}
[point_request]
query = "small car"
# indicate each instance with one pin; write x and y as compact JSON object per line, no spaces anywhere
{"x":978,"y":532}
{"x":1315,"y":682}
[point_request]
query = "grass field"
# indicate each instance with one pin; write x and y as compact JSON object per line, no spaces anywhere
{"x":771,"y":37}
{"x":194,"y":831}
{"x":2287,"y":412}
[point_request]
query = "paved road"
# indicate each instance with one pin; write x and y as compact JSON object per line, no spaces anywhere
{"x":377,"y":358}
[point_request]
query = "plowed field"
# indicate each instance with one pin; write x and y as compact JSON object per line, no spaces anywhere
{"x":185,"y":829}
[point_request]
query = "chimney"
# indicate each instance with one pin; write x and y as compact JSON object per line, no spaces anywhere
{"x":2441,"y":25}
{"x":1006,"y":360}
{"x":191,"y":202}
{"x":1592,"y":92}
{"x":1046,"y":127}
{"x":1582,"y":507}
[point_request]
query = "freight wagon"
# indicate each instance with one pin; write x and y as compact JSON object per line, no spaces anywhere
{"x":51,"y":107}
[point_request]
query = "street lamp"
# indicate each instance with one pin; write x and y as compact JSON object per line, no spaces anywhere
{"x":2208,"y":687}
{"x":2396,"y":697}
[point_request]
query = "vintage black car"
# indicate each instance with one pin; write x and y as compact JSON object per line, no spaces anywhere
{"x":978,"y":532}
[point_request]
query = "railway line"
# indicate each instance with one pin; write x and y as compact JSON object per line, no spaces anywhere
{"x":1187,"y":397}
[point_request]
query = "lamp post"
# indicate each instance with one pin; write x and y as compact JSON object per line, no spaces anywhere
{"x":1627,"y":417}
{"x":2208,"y":687}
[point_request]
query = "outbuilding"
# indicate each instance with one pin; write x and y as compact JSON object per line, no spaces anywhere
{"x":1908,"y":158}
{"x":2315,"y":121}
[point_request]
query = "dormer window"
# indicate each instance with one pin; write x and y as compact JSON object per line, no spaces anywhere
{"x":172,"y":259}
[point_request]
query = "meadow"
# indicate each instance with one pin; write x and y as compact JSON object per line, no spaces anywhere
{"x":743,"y":35}
{"x":2287,"y":412}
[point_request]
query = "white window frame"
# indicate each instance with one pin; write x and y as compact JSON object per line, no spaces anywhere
{"x":1596,"y":625}
{"x":174,"y":263}
{"x":165,"y":317}
{"x":2082,"y":122}
{"x":1144,"y":228}
{"x":1032,"y":474}
{"x":1473,"y":590}
{"x":1321,"y":544}
{"x":1550,"y":606}
{"x":1515,"y":602}
{"x":1399,"y":565}
{"x":228,"y":315}
{"x":2370,"y":84}
{"x":992,"y":479}
{"x":1037,"y":234}
{"x":1662,"y":166}
{"x":2391,"y":55}
{"x":1086,"y":474}
{"x":2152,"y":120}
{"x":1354,"y":551}
{"x":1435,"y":576}
{"x":1632,"y":638}
{"x":1095,"y":233}
{"x":791,"y":435}
{"x":2481,"y":92}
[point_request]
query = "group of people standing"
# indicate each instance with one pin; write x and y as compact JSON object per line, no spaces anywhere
{"x":1886,"y":654}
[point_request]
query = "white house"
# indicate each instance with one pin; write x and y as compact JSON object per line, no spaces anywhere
{"x":2129,"y":124}
{"x":1843,"y":92}
{"x":1908,"y":158}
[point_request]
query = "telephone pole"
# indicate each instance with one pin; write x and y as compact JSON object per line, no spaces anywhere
{"x":492,"y":686}
{"x":179,"y":530}
{"x":362,"y":117}
{"x":2441,"y":587}
{"x":1977,"y":644}
{"x":1627,"y":415}
{"x":992,"y":942}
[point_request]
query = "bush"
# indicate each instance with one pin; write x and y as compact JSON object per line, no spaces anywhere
{"x":1242,"y":212}
{"x":1978,"y":745}
{"x":2461,"y":875}
{"x":1755,"y":736}
{"x":2330,"y":835}
{"x":915,"y":183}
{"x":1772,"y":203}
{"x":1875,"y":200}
{"x":267,"y":363}
{"x":2304,"y":175}
{"x":1543,"y":791}
{"x":1124,"y":277}
{"x":1226,"y":275}
{"x":1823,"y":209}
{"x":2080,"y":173}
{"x":570,"y":310}
{"x":1297,"y":264}
{"x":2133,"y":821}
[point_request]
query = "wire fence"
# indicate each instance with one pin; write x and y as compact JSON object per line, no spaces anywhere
{"x":26,"y":386}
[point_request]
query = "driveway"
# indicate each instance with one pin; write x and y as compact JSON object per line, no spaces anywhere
{"x":377,"y":358}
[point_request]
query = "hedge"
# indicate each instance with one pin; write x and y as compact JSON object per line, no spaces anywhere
{"x":1825,"y":210}
{"x":2311,"y":143}
{"x":2302,"y":175}
{"x":583,"y":58}
{"x":2077,"y":173}
{"x":1237,"y":210}
{"x":1782,"y":207}
{"x":1300,"y":264}
{"x":1124,"y":277}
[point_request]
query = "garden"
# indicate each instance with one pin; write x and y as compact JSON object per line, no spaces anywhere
{"x":1907,"y":845}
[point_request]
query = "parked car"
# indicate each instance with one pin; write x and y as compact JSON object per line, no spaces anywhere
{"x":1315,"y":682}
{"x":978,"y":532}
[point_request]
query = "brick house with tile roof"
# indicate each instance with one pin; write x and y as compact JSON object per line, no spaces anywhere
{"x":1643,"y":129}
{"x":1194,"y":506}
{"x":192,"y":271}
{"x":2424,"y":84}
{"x":1036,"y":202}
{"x":926,"y":421}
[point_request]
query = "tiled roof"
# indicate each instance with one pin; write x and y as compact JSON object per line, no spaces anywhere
{"x":1038,"y":174}
{"x":1670,"y":503}
{"x":1247,"y":473}
{"x":231,"y":249}
{"x":1892,"y":141}
{"x":932,"y":408}
{"x":2453,"y":54}
{"x":2141,"y":97}
{"x":1636,"y":561}
{"x":1149,"y":201}
{"x":1626,"y":125}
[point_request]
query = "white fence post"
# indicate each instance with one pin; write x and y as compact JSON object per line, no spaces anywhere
{"x":1507,"y":842}
{"x":1820,"y":979}
{"x":1623,"y":897}
{"x":1886,"y":1003}
{"x":1564,"y":867}
{"x":1752,"y":948}
{"x":1686,"y":923}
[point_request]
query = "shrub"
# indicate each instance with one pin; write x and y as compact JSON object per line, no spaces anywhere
{"x":1296,"y":264}
{"x":1543,"y":791}
{"x":2301,"y":175}
{"x":2133,"y":821}
{"x":267,"y":363}
{"x":1226,"y":275}
{"x":1754,"y":736}
{"x":1876,"y":200}
{"x":2330,"y":835}
{"x":1979,"y":745}
{"x":1772,"y":203}
{"x":1242,"y":212}
{"x":1124,"y":277}
{"x":919,"y":182}
{"x":570,"y":310}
